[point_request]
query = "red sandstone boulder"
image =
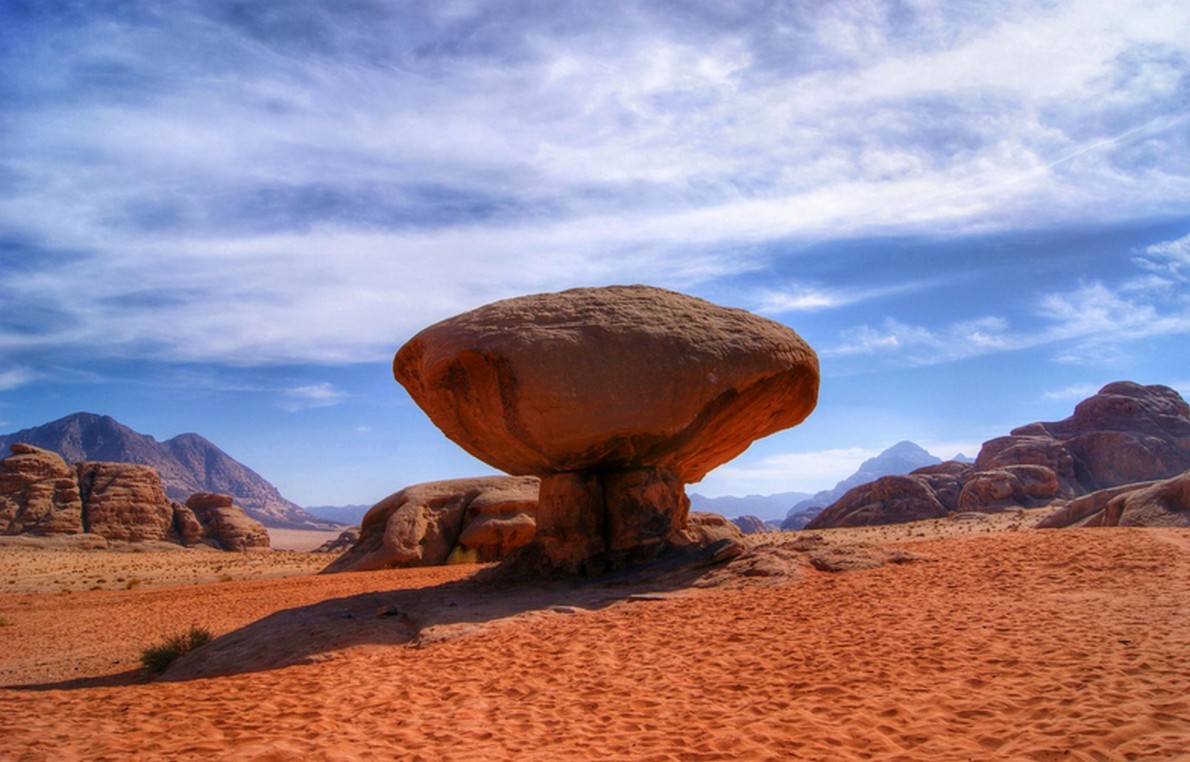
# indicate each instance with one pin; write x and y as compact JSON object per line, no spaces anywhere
{"x":616,"y":397}
{"x":1166,"y":504}
{"x":38,"y":493}
{"x":888,"y":500}
{"x":709,"y":528}
{"x":226,"y":524}
{"x":945,"y":480}
{"x":430,"y":524}
{"x":1158,"y":503}
{"x":1011,"y":486}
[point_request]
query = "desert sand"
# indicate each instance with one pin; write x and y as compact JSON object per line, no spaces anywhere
{"x":987,"y":642}
{"x":299,"y":539}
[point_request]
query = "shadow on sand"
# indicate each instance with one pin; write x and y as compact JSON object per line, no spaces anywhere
{"x":117,"y":680}
{"x":421,"y":617}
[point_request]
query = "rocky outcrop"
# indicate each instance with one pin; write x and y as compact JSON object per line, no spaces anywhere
{"x":481,"y":519}
{"x":341,"y":544}
{"x":888,"y":500}
{"x":616,"y":397}
{"x":1126,"y":433}
{"x":226,"y":524}
{"x":1157,"y":503}
{"x":710,"y":528}
{"x":186,"y":464}
{"x":40,"y":494}
{"x":122,"y":501}
{"x":751,"y":524}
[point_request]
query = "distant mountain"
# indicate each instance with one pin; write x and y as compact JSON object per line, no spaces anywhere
{"x":187,"y":464}
{"x":342,"y":514}
{"x":901,"y":458}
{"x":961,"y":458}
{"x":767,"y":507}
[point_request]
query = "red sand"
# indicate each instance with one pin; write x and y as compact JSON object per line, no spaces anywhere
{"x":1032,"y":645}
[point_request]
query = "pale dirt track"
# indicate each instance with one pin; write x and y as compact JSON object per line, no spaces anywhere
{"x":1058,"y":645}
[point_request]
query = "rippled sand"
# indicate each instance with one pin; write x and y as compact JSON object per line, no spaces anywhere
{"x":1041,"y":645}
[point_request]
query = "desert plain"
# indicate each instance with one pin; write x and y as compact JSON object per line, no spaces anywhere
{"x":973,"y":639}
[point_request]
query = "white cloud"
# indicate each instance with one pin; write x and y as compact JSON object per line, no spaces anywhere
{"x":1090,"y":324}
{"x":1073,"y":392}
{"x":925,"y":346}
{"x":312,"y":396}
{"x":1170,"y":260}
{"x":14,"y":378}
{"x":795,"y":297}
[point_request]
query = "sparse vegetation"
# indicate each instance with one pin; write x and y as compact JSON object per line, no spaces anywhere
{"x":156,"y":658}
{"x":6,"y":622}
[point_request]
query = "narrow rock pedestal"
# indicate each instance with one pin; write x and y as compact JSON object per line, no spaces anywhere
{"x":588,"y":521}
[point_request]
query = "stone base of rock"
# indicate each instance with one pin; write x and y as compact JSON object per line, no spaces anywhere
{"x":590,"y":521}
{"x":580,"y":523}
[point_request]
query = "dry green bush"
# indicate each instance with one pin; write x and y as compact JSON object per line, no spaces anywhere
{"x":157,"y":658}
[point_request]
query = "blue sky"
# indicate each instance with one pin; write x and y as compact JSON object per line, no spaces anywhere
{"x":225,"y":217}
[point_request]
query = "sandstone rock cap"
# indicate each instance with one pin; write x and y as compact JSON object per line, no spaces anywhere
{"x":616,"y":377}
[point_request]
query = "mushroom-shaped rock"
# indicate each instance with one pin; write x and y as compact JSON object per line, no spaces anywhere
{"x":616,"y":397}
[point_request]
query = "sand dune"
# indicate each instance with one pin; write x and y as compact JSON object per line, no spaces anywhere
{"x":1007,"y":645}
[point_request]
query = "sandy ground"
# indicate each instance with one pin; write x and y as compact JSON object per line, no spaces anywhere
{"x":1033,"y":645}
{"x":299,"y":539}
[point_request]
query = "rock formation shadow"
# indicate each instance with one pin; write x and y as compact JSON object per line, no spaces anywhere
{"x":421,"y":617}
{"x":117,"y":680}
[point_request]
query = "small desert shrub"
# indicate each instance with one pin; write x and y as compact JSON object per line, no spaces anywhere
{"x":157,"y":658}
{"x":5,"y":621}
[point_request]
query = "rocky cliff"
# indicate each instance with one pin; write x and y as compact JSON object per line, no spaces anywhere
{"x":1124,"y":434}
{"x":40,"y":494}
{"x":186,"y":464}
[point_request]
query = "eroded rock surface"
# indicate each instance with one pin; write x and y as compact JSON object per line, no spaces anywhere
{"x":1126,"y":433}
{"x":751,"y":524}
{"x":616,"y":397}
{"x":1158,"y":503}
{"x":225,"y":523}
{"x":481,"y":519}
{"x":124,"y":501}
{"x":41,"y":494}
